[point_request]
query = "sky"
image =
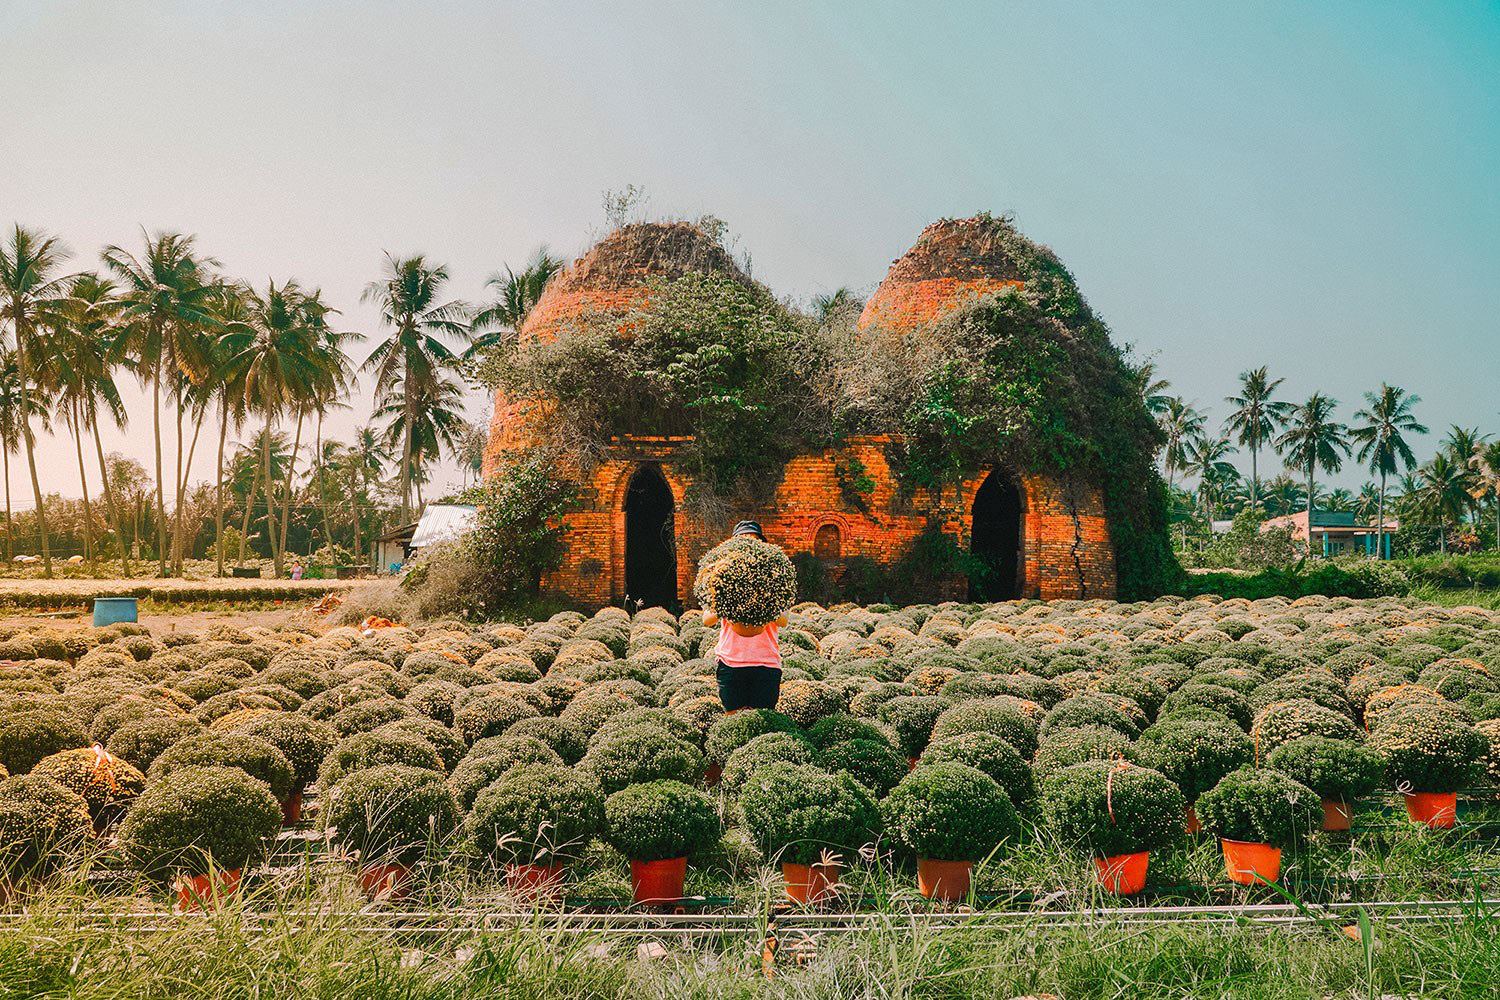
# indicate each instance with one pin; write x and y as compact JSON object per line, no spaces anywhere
{"x":1307,"y":186}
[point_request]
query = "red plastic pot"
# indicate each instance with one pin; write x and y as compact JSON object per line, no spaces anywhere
{"x":945,"y":880}
{"x":713,"y":774}
{"x":291,"y":810}
{"x":658,"y":881}
{"x":912,"y":762}
{"x":1193,"y":826}
{"x":810,"y":883}
{"x":535,"y":882}
{"x":1248,"y":863}
{"x":1337,"y":814}
{"x":194,"y":891}
{"x":1435,"y":810}
{"x":1122,"y":874}
{"x":387,"y":881}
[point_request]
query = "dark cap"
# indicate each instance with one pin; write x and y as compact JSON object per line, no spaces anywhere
{"x":749,"y":528}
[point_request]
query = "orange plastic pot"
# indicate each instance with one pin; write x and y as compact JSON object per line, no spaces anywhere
{"x":712,"y":775}
{"x":1193,"y":826}
{"x":1336,"y":814}
{"x":291,"y":810}
{"x":912,"y":762}
{"x":945,"y":880}
{"x":1123,"y":874}
{"x":1436,"y":810}
{"x":194,"y":891}
{"x":536,"y":881}
{"x":1248,"y":863}
{"x":658,"y":881}
{"x":810,"y":883}
{"x":388,"y":881}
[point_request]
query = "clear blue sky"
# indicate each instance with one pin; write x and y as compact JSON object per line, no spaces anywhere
{"x":1310,"y":186}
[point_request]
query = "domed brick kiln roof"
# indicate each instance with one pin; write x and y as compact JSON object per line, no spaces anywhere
{"x":953,"y":263}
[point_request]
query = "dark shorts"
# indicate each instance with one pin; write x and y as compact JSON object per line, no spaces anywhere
{"x":749,"y":687}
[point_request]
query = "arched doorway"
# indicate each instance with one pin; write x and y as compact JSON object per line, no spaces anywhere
{"x":650,"y":540}
{"x":995,"y":540}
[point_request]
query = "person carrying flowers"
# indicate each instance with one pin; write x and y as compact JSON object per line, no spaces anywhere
{"x":745,"y":586}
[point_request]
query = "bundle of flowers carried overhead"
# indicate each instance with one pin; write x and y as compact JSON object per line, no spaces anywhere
{"x":746,"y":581}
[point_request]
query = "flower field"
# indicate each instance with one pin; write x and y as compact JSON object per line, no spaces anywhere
{"x":1072,"y":752}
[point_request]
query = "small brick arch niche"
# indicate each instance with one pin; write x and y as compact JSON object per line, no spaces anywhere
{"x":828,"y":542}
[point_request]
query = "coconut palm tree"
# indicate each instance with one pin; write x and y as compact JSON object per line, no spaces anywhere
{"x":409,"y":296}
{"x":1442,"y":494}
{"x":1256,"y":418}
{"x":168,"y":304}
{"x":84,"y":353}
{"x":1284,"y":495}
{"x":1208,"y":459}
{"x":10,"y":427}
{"x":1338,"y":499}
{"x":363,"y":461}
{"x":1313,"y":440}
{"x":1368,"y":503}
{"x":515,"y":295}
{"x":439,"y":423}
{"x":1485,"y":467}
{"x":33,"y":301}
{"x":1385,"y":420}
{"x":1461,"y":444}
{"x":1180,"y":422}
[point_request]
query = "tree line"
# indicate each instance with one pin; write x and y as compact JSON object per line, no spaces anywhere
{"x":1454,"y":493}
{"x":220,"y":353}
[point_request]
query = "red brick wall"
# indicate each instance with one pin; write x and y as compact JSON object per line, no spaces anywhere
{"x":1066,"y":551}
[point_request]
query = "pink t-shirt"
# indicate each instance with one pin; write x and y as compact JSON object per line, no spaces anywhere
{"x":760,"y":650}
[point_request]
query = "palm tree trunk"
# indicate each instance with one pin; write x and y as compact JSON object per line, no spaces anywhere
{"x":36,"y":483}
{"x":1309,"y":507}
{"x":265,"y":458}
{"x":291,"y":468}
{"x":177,"y":483}
{"x":10,"y":534}
{"x":322,"y":493}
{"x":354,"y":507}
{"x":109,"y":501}
{"x":182,"y":481}
{"x":249,"y":506}
{"x":411,"y":419}
{"x":219,"y":488}
{"x":83,"y":480}
{"x":1380,"y":521}
{"x":161,"y":498}
{"x":1254,"y":482}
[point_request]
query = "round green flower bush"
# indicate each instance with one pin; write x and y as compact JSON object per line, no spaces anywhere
{"x":450,"y":749}
{"x":435,"y":699}
{"x":1317,"y":686}
{"x":566,"y":741}
{"x":991,"y":754}
{"x":372,"y":713}
{"x":1335,"y":769}
{"x":912,"y":717}
{"x":661,"y":718}
{"x":731,"y":732}
{"x":660,"y":820}
{"x":42,"y":824}
{"x":1201,"y":694}
{"x":765,"y":749}
{"x":798,"y":814}
{"x":948,"y":811}
{"x":805,"y":702}
{"x":1260,"y":806}
{"x":305,"y":741}
{"x":492,"y":757}
{"x":840,"y":726}
{"x":196,"y":815}
{"x":28,"y":736}
{"x":1284,"y":721}
{"x":1075,"y":744}
{"x":536,"y":813}
{"x":107,"y":783}
{"x":999,"y":716}
{"x":591,"y":708}
{"x":489,"y":715}
{"x":142,"y":741}
{"x":363,"y":750}
{"x":1196,"y":754}
{"x":646,"y":753}
{"x":1428,"y":750}
{"x":1111,"y":808}
{"x":1455,"y":678}
{"x":390,"y":813}
{"x":1490,"y":761}
{"x":250,"y":754}
{"x":746,"y":580}
{"x":1141,"y":688}
{"x":1092,"y":709}
{"x":1389,"y":700}
{"x":876,"y":765}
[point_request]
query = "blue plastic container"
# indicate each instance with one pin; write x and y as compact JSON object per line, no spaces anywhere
{"x":108,"y":610}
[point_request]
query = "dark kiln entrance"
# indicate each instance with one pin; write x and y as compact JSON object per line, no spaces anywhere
{"x":995,"y":540}
{"x":650,"y":540}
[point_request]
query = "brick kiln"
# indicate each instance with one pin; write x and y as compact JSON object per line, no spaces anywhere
{"x":1046,"y":535}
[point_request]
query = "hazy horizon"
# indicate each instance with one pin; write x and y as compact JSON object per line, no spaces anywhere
{"x":1308,"y":189}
